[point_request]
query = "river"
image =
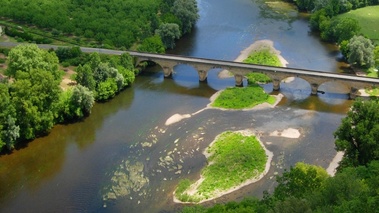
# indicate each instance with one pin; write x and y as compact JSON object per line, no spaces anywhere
{"x":123,"y":158}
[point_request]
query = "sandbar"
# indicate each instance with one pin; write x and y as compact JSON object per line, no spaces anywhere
{"x":256,"y":46}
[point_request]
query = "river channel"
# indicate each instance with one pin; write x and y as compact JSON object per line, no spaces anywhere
{"x":123,"y":158}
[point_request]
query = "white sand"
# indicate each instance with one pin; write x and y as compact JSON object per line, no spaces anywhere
{"x":331,"y":170}
{"x":287,"y":133}
{"x":176,"y":118}
{"x":193,"y":187}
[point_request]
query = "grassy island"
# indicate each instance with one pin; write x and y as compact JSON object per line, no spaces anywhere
{"x":234,"y":159}
{"x":242,"y":97}
{"x":261,"y":52}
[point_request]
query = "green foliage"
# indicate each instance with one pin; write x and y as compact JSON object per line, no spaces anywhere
{"x":152,"y":44}
{"x":234,"y":158}
{"x":373,"y":73}
{"x":128,"y":75}
{"x":101,"y":77}
{"x":255,"y":78}
{"x":113,"y":23}
{"x":301,"y":179}
{"x":9,"y":130}
{"x":232,"y":162}
{"x":106,"y":89}
{"x":35,"y":94}
{"x":305,"y":5}
{"x":169,"y":33}
{"x":27,"y":57}
{"x":263,"y":57}
{"x":344,"y":29}
{"x":241,"y":97}
{"x":361,"y":52}
{"x":352,"y":190}
{"x":293,"y":205}
{"x":344,"y":48}
{"x":368,"y":19}
{"x":69,"y":55}
{"x":376,"y":56}
{"x":187,"y":13}
{"x":358,"y":134}
{"x":84,"y":76}
{"x":318,"y":19}
{"x":338,"y":29}
{"x":75,"y":104}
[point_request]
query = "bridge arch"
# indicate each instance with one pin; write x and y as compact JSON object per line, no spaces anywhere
{"x":277,"y":74}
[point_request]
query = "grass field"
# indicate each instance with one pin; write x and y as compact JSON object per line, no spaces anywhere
{"x":368,"y":19}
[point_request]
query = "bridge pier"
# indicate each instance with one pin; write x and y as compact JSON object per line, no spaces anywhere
{"x":353,"y":93}
{"x":168,"y":71}
{"x":314,"y":88}
{"x":276,"y":84}
{"x":239,"y":80}
{"x":202,"y":75}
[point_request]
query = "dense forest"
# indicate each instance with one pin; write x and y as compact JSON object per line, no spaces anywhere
{"x":32,"y":100}
{"x":113,"y":23}
{"x":359,"y":50}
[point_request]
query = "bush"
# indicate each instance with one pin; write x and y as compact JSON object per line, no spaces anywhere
{"x":263,"y":57}
{"x":255,"y":78}
{"x":241,"y":97}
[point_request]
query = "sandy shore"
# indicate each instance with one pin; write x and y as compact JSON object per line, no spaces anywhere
{"x":256,"y":46}
{"x":193,"y":188}
{"x":331,"y":170}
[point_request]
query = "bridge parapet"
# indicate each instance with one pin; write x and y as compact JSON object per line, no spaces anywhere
{"x":239,"y":70}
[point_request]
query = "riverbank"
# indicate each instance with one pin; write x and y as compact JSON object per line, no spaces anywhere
{"x":256,"y":46}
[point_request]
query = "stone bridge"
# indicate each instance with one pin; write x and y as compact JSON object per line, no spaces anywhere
{"x":239,"y":70}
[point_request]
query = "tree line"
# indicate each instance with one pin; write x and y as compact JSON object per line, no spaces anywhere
{"x":151,"y":25}
{"x":356,"y":49}
{"x":308,"y":188}
{"x":32,"y":100}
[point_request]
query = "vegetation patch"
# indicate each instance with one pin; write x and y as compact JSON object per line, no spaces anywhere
{"x":372,"y":72}
{"x":233,"y":159}
{"x":242,"y":97}
{"x":263,"y":57}
{"x":373,"y":91}
{"x":255,"y":78}
{"x":368,"y":19}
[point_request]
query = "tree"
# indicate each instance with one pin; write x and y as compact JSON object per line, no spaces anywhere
{"x":35,"y":95}
{"x":169,"y":33}
{"x":106,"y":90}
{"x":344,"y":29}
{"x":376,"y":55}
{"x":82,"y":101}
{"x":187,"y":12}
{"x":75,"y":103}
{"x":305,"y":5}
{"x":152,"y":44}
{"x":299,"y":180}
{"x":27,"y":57}
{"x":358,"y":134}
{"x":9,"y":131}
{"x":84,"y":77}
{"x":361,"y":51}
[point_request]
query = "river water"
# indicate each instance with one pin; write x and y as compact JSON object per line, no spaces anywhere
{"x":123,"y":158}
